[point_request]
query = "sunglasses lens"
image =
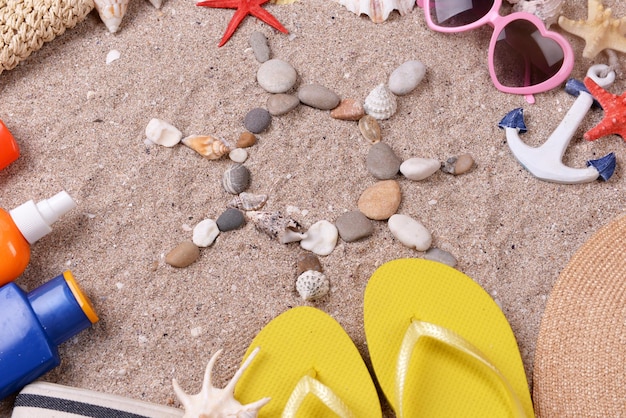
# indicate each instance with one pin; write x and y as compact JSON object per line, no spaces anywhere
{"x":524,"y":57}
{"x":457,"y":13}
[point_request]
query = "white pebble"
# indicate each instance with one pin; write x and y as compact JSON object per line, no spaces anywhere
{"x":410,"y":232}
{"x":163,"y":133}
{"x":196,"y":332}
{"x":205,"y":232}
{"x":419,"y":168}
{"x":321,"y":238}
{"x":238,"y":155}
{"x":113,"y":55}
{"x":406,"y":77}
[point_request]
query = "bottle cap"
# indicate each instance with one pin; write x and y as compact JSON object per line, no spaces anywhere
{"x":34,"y":220}
{"x":9,"y":151}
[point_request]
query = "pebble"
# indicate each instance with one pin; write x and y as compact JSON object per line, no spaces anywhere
{"x":246,"y":139}
{"x":260,"y":46}
{"x":205,"y":233}
{"x":183,"y":254}
{"x":458,"y":165}
{"x":276,"y":76}
{"x":348,"y":109}
{"x":230,"y":220}
{"x":318,"y":96}
{"x":437,"y":254}
{"x":370,"y":129}
{"x":382,"y":162}
{"x":308,"y":261}
{"x":381,"y":200}
{"x":163,"y":133}
{"x":281,"y":104}
{"x":353,"y":226}
{"x":238,"y":155}
{"x":236,"y":178}
{"x":321,"y":238}
{"x":410,"y":232}
{"x":257,"y":120}
{"x":419,"y":168}
{"x":406,"y":77}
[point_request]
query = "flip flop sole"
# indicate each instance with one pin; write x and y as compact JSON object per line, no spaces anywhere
{"x":306,"y":341}
{"x":441,"y":381}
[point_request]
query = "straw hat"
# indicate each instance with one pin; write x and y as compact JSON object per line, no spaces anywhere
{"x":580,"y":360}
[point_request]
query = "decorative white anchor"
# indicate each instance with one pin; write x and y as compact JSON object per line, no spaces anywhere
{"x":545,"y":161}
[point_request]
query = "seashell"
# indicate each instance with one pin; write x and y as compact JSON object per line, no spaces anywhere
{"x":546,"y":10}
{"x":212,"y":402}
{"x":236,"y":178}
{"x":378,"y":10}
{"x":111,"y":12}
{"x":277,"y":226}
{"x":208,"y":146}
{"x":156,"y":3}
{"x":312,"y":285}
{"x":370,"y":129}
{"x":321,"y":238}
{"x":248,"y":201}
{"x":163,"y":133}
{"x":380,"y":103}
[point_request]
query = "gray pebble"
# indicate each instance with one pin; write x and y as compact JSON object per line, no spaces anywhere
{"x":353,"y":226}
{"x":406,"y":77}
{"x":236,"y":178}
{"x":437,"y":254}
{"x":230,"y":219}
{"x":257,"y":120}
{"x":382,"y":162}
{"x":318,"y":96}
{"x":260,"y":47}
{"x":276,"y":76}
{"x":280,"y":104}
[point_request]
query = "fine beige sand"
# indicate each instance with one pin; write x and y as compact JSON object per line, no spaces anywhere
{"x":80,"y":124}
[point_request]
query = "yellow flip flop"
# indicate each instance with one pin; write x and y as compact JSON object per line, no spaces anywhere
{"x":309,"y":367}
{"x":440,"y":345}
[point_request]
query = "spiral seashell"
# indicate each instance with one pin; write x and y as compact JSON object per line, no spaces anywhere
{"x":248,"y":201}
{"x":277,"y":226}
{"x":378,"y":10}
{"x":380,"y":103}
{"x":312,"y":285}
{"x":236,"y":179}
{"x":111,"y":12}
{"x":546,"y":10}
{"x":208,"y":146}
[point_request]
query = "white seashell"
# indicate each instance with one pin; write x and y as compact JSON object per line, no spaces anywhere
{"x":248,"y":201}
{"x":321,"y":238}
{"x":546,"y":10}
{"x":238,"y":155}
{"x":410,"y":232}
{"x":419,"y":168}
{"x":277,"y":226}
{"x":163,"y":133}
{"x":312,"y":285}
{"x":212,"y":402}
{"x":113,"y":55}
{"x":205,"y":232}
{"x":378,"y":10}
{"x":208,"y":146}
{"x":111,"y":12}
{"x":381,"y":103}
{"x":156,"y":3}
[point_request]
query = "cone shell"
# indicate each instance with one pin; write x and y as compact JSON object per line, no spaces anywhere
{"x":276,"y":225}
{"x":381,"y":103}
{"x":111,"y":12}
{"x":546,"y":10}
{"x":248,"y":201}
{"x":312,"y":285}
{"x":378,"y":10}
{"x":207,"y":146}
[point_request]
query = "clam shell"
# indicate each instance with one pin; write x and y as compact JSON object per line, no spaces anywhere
{"x":378,"y":10}
{"x":111,"y":12}
{"x":381,"y":103}
{"x":236,"y":179}
{"x":546,"y":10}
{"x":312,"y":285}
{"x":248,"y":201}
{"x":277,"y":226}
{"x":208,"y":146}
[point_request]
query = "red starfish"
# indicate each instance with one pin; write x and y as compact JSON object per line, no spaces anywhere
{"x":244,"y":8}
{"x":614,"y":120}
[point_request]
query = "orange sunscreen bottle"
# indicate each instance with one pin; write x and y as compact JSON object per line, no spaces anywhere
{"x":9,"y":151}
{"x":23,"y":226}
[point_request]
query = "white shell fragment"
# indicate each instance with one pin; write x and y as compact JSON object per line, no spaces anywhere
{"x":378,"y":10}
{"x":212,"y":402}
{"x":312,"y":285}
{"x":381,"y":103}
{"x":321,"y":238}
{"x":113,"y":55}
{"x":277,"y":226}
{"x":111,"y":12}
{"x":205,"y":233}
{"x":406,"y":77}
{"x":546,"y":10}
{"x":163,"y":133}
{"x":419,"y":168}
{"x":208,"y":146}
{"x":410,"y":232}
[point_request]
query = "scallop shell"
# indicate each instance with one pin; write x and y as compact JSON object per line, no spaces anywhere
{"x":236,"y":178}
{"x":312,"y":285}
{"x":208,"y":146}
{"x":212,"y":402}
{"x":378,"y":10}
{"x":546,"y":10}
{"x":111,"y":12}
{"x":248,"y":201}
{"x":276,"y":225}
{"x":381,"y":103}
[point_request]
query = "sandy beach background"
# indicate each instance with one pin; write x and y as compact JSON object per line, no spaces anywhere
{"x":80,"y":125}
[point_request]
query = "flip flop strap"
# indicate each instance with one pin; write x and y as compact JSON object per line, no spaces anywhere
{"x":308,"y":385}
{"x":418,"y":329}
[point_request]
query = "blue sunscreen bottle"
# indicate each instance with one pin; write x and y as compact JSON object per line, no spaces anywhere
{"x":33,"y":324}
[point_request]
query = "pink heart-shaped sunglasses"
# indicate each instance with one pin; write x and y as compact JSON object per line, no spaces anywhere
{"x":524,"y":57}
